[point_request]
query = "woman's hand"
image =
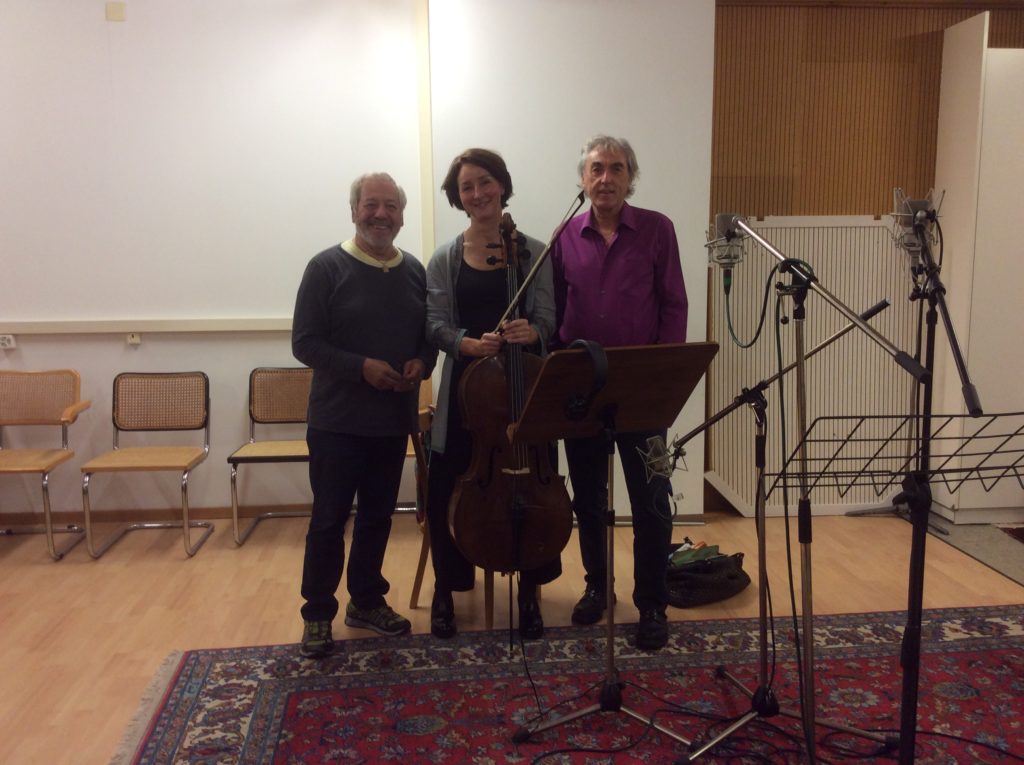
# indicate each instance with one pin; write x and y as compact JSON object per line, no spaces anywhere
{"x":519,"y":331}
{"x":488,"y":345}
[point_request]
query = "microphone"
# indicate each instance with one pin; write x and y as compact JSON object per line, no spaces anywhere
{"x":657,"y":460}
{"x":724,"y":246}
{"x":907,"y":215}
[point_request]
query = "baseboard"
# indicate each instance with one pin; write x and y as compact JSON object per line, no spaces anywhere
{"x":154,"y":516}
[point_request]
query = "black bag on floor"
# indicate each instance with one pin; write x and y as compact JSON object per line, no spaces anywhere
{"x":706,"y":581}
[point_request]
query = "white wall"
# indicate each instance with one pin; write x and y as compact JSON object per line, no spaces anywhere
{"x":534,"y":79}
{"x":979,"y":165}
{"x":185,"y":165}
{"x":186,"y":162}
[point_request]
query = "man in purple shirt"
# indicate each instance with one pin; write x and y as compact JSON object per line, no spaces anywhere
{"x":618,"y":281}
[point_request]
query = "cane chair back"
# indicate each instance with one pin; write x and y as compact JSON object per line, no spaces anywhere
{"x":152,"y":402}
{"x":277,"y":396}
{"x":47,"y":398}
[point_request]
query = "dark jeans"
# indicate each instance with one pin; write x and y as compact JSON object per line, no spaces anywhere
{"x":343,"y":468}
{"x":649,"y":503}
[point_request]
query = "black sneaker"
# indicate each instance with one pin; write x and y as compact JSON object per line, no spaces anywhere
{"x":590,"y":607}
{"x":316,"y":640}
{"x":652,"y":630}
{"x":383,"y":620}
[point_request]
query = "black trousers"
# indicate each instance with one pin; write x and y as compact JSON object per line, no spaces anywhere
{"x":342,"y":469}
{"x":649,"y":503}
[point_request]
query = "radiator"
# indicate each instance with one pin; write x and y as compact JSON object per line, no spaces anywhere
{"x":856,"y":260}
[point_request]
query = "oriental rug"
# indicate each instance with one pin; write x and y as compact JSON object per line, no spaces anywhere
{"x":417,"y":699}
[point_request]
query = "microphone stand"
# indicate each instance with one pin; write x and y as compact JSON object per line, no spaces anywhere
{"x":763,"y":701}
{"x":916,"y":491}
{"x":801,"y":282}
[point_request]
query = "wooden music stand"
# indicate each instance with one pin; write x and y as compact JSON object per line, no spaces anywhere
{"x":645,"y":389}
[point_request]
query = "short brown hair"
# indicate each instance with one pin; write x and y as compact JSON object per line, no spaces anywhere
{"x":490,"y":161}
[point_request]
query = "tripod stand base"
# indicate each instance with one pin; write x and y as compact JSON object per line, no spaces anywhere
{"x":764,"y":704}
{"x":609,"y":700}
{"x":896,"y":511}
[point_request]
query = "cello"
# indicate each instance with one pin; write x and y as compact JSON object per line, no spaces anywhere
{"x":510,"y":510}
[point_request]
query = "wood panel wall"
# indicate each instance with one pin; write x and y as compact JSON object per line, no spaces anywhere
{"x":821,"y":108}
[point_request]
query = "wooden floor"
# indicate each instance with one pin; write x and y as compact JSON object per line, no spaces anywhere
{"x":81,"y":639}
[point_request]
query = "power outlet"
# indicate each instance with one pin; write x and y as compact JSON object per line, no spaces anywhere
{"x":7,"y":342}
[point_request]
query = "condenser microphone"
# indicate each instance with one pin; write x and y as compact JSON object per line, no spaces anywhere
{"x":724,"y":246}
{"x":909,"y":214}
{"x":657,"y":460}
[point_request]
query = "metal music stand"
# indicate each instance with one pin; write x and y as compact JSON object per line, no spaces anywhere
{"x":645,"y":389}
{"x":849,"y":451}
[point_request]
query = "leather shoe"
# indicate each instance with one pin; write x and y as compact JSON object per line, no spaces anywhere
{"x":590,"y":607}
{"x":442,"y":615}
{"x":652,"y":630}
{"x":531,"y":624}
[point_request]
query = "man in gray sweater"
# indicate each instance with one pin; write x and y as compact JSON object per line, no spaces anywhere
{"x":359,"y":323}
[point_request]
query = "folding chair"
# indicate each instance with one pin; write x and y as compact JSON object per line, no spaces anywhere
{"x":40,"y":398}
{"x":277,"y":395}
{"x":150,"y":402}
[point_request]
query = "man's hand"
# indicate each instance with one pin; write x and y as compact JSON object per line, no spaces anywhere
{"x":412,"y":372}
{"x":382,"y":376}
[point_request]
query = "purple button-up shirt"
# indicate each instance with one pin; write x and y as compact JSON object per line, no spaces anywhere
{"x":630,"y":292}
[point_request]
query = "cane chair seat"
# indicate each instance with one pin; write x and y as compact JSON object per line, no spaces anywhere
{"x":32,"y":460}
{"x":272,"y":451}
{"x":148,"y":458}
{"x":148,"y":402}
{"x":277,"y":396}
{"x":46,"y":398}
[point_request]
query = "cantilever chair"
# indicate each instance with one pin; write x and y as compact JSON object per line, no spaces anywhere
{"x":149,"y":402}
{"x":40,"y":398}
{"x":277,"y":395}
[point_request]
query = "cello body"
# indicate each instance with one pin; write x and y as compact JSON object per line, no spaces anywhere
{"x":510,"y":510}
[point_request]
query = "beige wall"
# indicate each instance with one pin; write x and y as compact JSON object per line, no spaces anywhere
{"x":823,"y":109}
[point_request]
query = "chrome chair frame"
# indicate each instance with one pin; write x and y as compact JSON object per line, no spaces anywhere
{"x":270,"y":405}
{"x":44,"y":461}
{"x":99,"y":465}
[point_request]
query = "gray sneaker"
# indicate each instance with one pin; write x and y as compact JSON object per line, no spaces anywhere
{"x":382,"y":619}
{"x":316,"y":640}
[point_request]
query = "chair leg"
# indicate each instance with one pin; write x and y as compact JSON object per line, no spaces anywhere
{"x":489,"y":599}
{"x":79,"y":533}
{"x":87,"y":510}
{"x":421,"y":567}
{"x":241,"y":536}
{"x":47,"y":527}
{"x":184,"y":524}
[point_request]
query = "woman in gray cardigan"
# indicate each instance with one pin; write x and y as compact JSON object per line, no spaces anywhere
{"x":466,"y":296}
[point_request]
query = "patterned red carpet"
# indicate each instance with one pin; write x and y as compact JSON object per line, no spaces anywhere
{"x":421,"y":700}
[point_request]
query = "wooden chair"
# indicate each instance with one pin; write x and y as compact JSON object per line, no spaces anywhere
{"x":277,"y":395}
{"x":150,"y":402}
{"x":40,"y":398}
{"x":418,"y":449}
